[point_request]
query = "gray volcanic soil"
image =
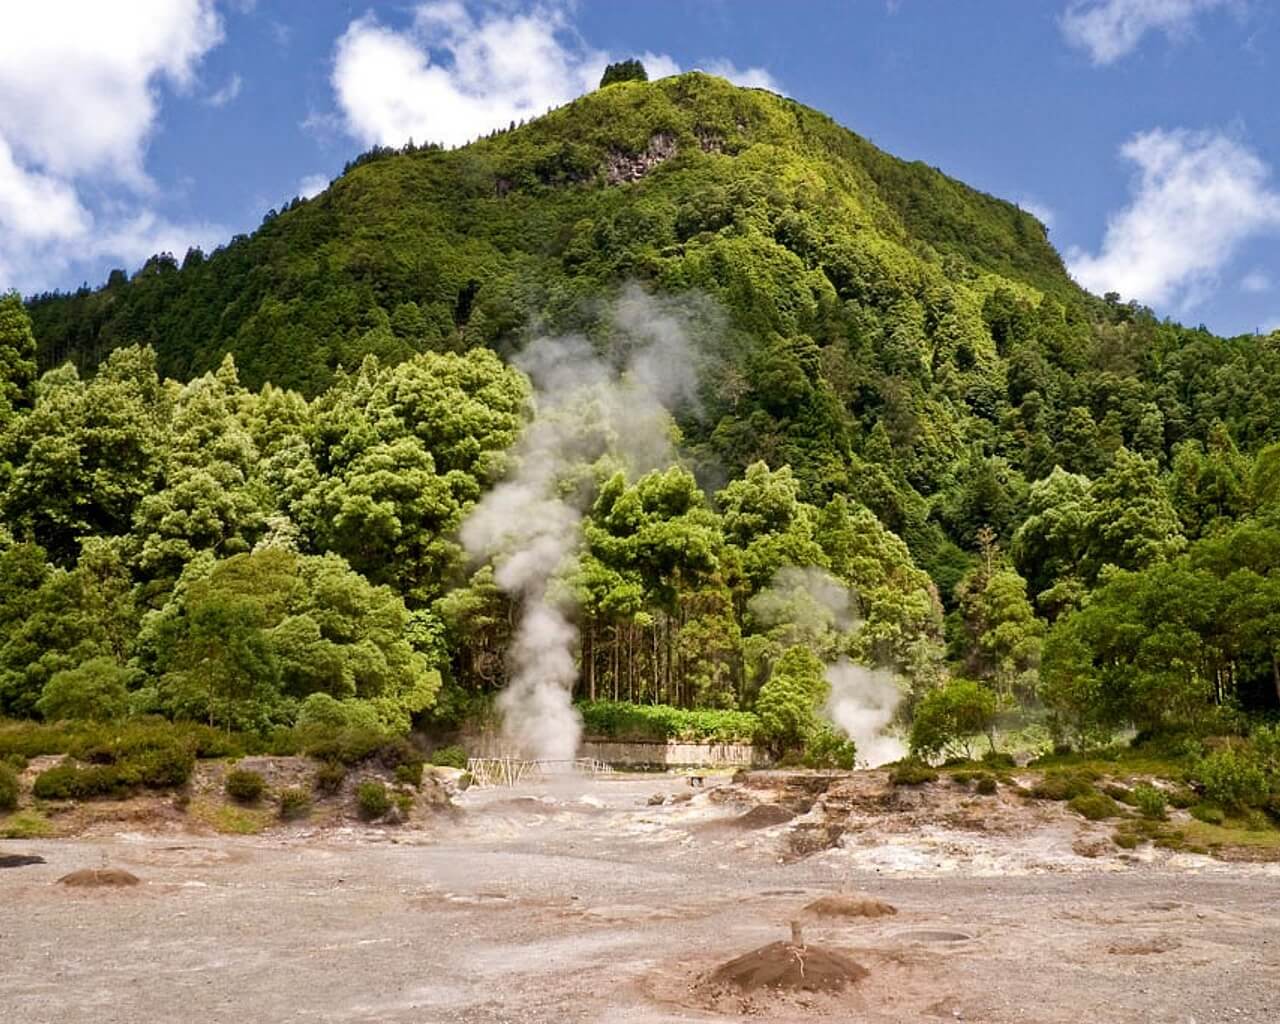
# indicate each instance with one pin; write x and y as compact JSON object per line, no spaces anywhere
{"x":584,"y":904}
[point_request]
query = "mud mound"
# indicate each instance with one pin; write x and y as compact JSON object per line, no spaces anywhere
{"x":19,"y":860}
{"x":783,"y":966}
{"x":99,"y":878}
{"x":763,"y":816}
{"x":849,"y":906}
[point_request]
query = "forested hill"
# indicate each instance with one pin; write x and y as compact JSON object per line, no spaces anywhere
{"x":688,"y":182}
{"x":1032,"y":498}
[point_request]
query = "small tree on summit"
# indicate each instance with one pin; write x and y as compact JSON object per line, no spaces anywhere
{"x":624,"y":71}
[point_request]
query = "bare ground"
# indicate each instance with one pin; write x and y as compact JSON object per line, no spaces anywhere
{"x":585,"y":903}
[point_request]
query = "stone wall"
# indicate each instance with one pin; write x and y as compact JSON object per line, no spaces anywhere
{"x":636,"y":754}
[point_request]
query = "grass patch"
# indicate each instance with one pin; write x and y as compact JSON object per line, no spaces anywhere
{"x":1063,"y":784}
{"x":1215,"y":837}
{"x":912,"y":773}
{"x":28,"y":824}
{"x":230,"y":819}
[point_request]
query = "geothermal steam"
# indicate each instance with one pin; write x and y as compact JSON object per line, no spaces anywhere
{"x":804,"y":605}
{"x":588,"y":406}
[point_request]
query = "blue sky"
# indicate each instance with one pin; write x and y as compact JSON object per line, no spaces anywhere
{"x":1145,"y":132}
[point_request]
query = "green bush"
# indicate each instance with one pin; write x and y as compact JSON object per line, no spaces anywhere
{"x":373,"y":799}
{"x":244,"y":786}
{"x":1059,"y":784}
{"x":295,"y":802}
{"x":986,"y":784}
{"x":828,"y":749}
{"x":410,"y":774}
{"x":71,"y":781}
{"x":911,"y":772}
{"x":1233,"y":779}
{"x":999,"y":759}
{"x":8,"y":789}
{"x":622,"y":721}
{"x":449,"y":757}
{"x":162,"y":767}
{"x":1210,"y":814}
{"x":1094,"y":806}
{"x":330,"y":777}
{"x":1150,"y":801}
{"x":1126,"y":840}
{"x":14,"y":762}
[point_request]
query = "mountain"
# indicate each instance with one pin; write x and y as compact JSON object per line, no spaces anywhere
{"x":686,"y":182}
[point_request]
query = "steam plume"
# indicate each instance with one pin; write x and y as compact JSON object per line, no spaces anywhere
{"x":588,"y":406}
{"x":810,"y":606}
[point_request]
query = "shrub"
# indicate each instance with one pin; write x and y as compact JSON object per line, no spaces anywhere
{"x":949,"y":717}
{"x":244,"y":786}
{"x":410,"y":774}
{"x":1210,"y":814}
{"x":295,"y":802}
{"x":1233,"y":779}
{"x":1149,"y":800}
{"x":1094,"y":806}
{"x":70,"y":781}
{"x":8,"y":789}
{"x":373,"y":799}
{"x":348,"y":745}
{"x":911,"y":772}
{"x":160,"y":767}
{"x":986,"y":784}
{"x":330,"y":777}
{"x":999,"y":759}
{"x":622,"y":721}
{"x":1117,"y":792}
{"x":450,"y":757}
{"x":1062,"y":785}
{"x":828,"y":749}
{"x":14,"y":762}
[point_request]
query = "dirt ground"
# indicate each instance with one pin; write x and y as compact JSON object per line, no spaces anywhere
{"x":593,"y":902}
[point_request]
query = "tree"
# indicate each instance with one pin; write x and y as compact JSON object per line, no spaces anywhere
{"x":244,"y":640}
{"x":1133,"y":523}
{"x":948,"y":718}
{"x":95,"y":690}
{"x":624,"y":71}
{"x":788,"y":702}
{"x":17,"y":358}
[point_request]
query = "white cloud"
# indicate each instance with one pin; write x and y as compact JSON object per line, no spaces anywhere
{"x":1256,"y":282}
{"x":79,"y":99}
{"x":1111,"y":29}
{"x":223,"y":96}
{"x":451,"y":77}
{"x":753,"y":78}
{"x":1197,"y":196}
{"x":312,"y":185}
{"x":1044,"y":214}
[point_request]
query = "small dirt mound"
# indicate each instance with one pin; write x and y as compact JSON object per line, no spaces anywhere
{"x":764,"y":816}
{"x":849,"y":906}
{"x":783,"y":966}
{"x":19,"y":860}
{"x":99,"y":878}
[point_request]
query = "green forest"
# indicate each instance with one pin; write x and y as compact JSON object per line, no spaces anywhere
{"x":232,"y":485}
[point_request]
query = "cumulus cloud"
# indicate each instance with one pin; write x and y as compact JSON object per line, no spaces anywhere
{"x":79,"y":99}
{"x":1111,"y":29}
{"x":1196,"y":197}
{"x":451,"y":76}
